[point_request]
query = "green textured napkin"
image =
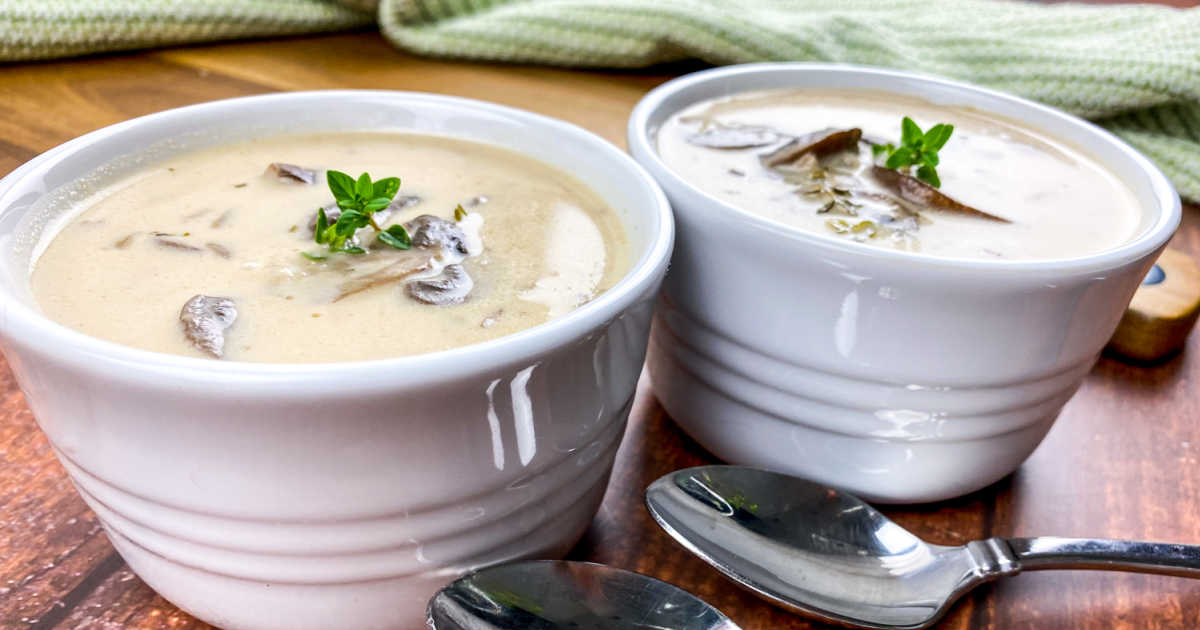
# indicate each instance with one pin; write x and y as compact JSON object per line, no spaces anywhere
{"x":1136,"y":70}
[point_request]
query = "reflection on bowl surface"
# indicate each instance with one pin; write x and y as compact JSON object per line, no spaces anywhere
{"x":337,"y":495}
{"x":903,"y":376}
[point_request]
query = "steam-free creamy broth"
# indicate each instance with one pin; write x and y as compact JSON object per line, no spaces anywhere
{"x":806,"y":158}
{"x":205,"y":254}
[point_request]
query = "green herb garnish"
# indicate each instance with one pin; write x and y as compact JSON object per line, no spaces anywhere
{"x":358,"y":200}
{"x":918,"y":149}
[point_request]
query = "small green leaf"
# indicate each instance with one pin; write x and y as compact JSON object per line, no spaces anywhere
{"x":313,"y":257}
{"x":346,"y":227}
{"x":396,"y":236}
{"x":358,"y":200}
{"x":340,"y":184}
{"x":322,"y":225}
{"x":459,"y":213}
{"x":330,"y":233}
{"x":929,"y":158}
{"x":386,"y":187}
{"x":929,"y":175}
{"x":363,"y":187}
{"x":376,"y":204}
{"x":937,"y":136}
{"x":910,"y":133}
{"x":902,"y":157}
{"x":880,"y":149}
{"x":351,"y":221}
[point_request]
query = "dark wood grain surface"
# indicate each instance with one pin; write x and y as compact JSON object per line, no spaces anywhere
{"x":1121,"y":461}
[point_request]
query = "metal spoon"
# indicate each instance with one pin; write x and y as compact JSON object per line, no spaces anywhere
{"x":553,"y":595}
{"x":827,"y":554}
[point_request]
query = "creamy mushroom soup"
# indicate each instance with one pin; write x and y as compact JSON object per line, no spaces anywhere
{"x":255,"y":252}
{"x":952,"y":181}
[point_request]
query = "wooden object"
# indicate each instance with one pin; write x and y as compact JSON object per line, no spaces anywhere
{"x":1163,"y":310}
{"x":1121,"y":461}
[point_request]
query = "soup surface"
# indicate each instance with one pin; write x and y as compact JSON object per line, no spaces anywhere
{"x":807,"y":158}
{"x":212,"y":254}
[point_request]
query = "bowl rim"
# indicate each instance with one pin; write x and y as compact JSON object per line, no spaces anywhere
{"x":642,"y":147}
{"x":23,"y":324}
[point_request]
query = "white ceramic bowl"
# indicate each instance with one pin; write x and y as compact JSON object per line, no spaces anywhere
{"x":335,"y":495}
{"x":903,"y":377}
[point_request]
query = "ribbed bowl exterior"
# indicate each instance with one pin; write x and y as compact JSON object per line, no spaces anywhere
{"x":875,"y":379}
{"x":901,"y":377}
{"x":341,"y":495}
{"x":341,"y":511}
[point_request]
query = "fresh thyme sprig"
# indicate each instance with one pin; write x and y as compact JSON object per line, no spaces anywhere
{"x":917,"y":148}
{"x":358,"y":200}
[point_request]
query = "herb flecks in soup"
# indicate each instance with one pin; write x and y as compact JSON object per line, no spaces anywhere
{"x":269,"y":251}
{"x":899,"y":172}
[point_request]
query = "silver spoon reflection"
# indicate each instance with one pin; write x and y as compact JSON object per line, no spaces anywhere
{"x":555,"y":595}
{"x":829,"y":555}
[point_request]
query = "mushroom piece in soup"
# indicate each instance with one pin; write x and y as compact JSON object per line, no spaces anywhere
{"x":278,"y":250}
{"x":898,"y":172}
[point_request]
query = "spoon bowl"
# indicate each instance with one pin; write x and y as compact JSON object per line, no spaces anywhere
{"x":554,"y":595}
{"x":827,"y":554}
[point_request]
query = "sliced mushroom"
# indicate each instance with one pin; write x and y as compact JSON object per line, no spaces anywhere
{"x":451,"y":287}
{"x":817,"y":143}
{"x":430,"y":231}
{"x":401,"y":202}
{"x":914,"y":190}
{"x":292,"y":173}
{"x":409,"y":263}
{"x":732,"y":136}
{"x":171,"y":243}
{"x":205,"y":320}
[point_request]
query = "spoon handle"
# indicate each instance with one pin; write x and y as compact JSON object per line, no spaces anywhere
{"x":1034,"y":554}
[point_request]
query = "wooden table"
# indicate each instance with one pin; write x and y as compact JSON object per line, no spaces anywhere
{"x":1121,"y":462}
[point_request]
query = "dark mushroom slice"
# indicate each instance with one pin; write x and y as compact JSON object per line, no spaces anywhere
{"x":205,"y":320}
{"x":409,"y":263}
{"x":451,"y":287}
{"x":171,"y":243}
{"x":818,"y":143}
{"x":430,"y":231}
{"x":914,"y":190}
{"x":292,"y":173}
{"x":732,"y":136}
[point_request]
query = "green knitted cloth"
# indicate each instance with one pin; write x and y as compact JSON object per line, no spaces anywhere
{"x":1136,"y":70}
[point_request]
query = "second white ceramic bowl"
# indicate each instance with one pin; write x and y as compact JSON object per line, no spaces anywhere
{"x":902,"y":377}
{"x":339,"y":495}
